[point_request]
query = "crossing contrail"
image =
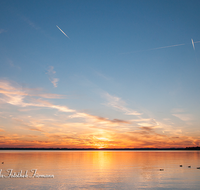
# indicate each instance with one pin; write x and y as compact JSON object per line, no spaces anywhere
{"x":193,"y":44}
{"x":62,"y":31}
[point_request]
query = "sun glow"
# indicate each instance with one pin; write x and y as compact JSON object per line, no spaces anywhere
{"x":103,"y":138}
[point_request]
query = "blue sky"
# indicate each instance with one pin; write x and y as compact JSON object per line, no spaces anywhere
{"x":112,"y":74}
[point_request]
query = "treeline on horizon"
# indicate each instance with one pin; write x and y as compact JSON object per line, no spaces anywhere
{"x":187,"y":148}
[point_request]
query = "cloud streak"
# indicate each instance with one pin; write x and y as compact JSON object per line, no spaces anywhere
{"x":62,"y":31}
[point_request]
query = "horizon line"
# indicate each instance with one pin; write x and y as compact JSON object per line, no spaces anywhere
{"x":172,"y":148}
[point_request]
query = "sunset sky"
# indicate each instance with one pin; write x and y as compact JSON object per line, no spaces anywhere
{"x":99,"y":73}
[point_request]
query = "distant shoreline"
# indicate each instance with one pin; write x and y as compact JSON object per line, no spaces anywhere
{"x":187,"y":148}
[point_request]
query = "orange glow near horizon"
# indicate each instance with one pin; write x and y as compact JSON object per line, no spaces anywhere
{"x":120,"y":141}
{"x":30,"y":120}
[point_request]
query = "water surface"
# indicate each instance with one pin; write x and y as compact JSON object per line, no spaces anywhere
{"x":102,"y":169}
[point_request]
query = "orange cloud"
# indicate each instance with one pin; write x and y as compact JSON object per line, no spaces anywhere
{"x":79,"y":130}
{"x":16,"y":96}
{"x":97,"y":140}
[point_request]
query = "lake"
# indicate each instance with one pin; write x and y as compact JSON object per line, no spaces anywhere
{"x":99,"y":170}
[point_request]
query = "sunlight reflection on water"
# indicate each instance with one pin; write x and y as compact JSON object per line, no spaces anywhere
{"x":103,"y":169}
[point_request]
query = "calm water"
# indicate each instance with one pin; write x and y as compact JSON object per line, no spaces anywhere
{"x":102,"y":169}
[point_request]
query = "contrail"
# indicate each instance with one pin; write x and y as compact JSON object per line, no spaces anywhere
{"x":156,"y":48}
{"x":164,"y":47}
{"x":193,"y":44}
{"x":167,"y":46}
{"x":62,"y":32}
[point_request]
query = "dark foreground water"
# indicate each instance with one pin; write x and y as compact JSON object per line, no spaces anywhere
{"x":100,"y":170}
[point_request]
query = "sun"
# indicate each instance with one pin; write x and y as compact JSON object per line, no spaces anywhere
{"x":101,"y":147}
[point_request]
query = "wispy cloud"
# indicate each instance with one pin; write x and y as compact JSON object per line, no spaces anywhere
{"x":51,"y":74}
{"x":14,"y":89}
{"x":180,"y":113}
{"x":100,"y":120}
{"x":54,"y":81}
{"x":62,"y":31}
{"x":80,"y":129}
{"x":119,"y":104}
{"x":184,"y":117}
{"x":46,"y":104}
{"x":58,"y":133}
{"x":19,"y":97}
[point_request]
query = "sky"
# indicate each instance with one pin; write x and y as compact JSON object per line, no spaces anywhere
{"x":99,"y":73}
